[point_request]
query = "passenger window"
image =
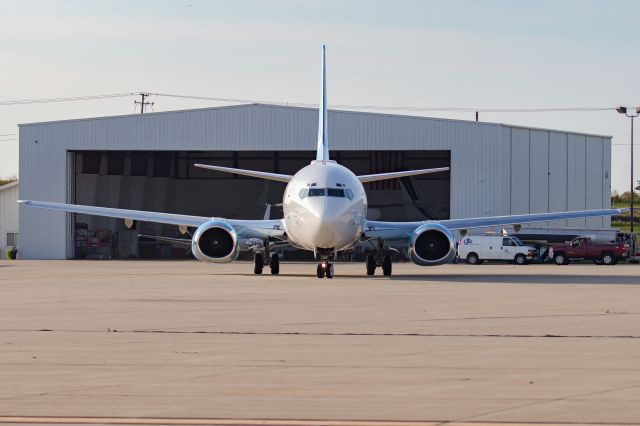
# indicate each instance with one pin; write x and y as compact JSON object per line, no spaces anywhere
{"x":335,"y":192}
{"x":317,"y":192}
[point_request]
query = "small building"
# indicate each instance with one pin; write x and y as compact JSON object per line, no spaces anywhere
{"x":8,"y":217}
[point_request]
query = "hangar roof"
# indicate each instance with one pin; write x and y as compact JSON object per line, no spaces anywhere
{"x":9,"y":185}
{"x":339,"y":111}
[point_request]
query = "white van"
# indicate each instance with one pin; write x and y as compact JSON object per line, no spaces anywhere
{"x":478,"y":248}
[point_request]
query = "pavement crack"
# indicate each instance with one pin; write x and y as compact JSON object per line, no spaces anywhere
{"x":336,"y":334}
{"x":546,"y":401}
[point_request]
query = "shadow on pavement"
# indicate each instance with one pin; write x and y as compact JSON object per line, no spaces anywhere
{"x":542,"y":279}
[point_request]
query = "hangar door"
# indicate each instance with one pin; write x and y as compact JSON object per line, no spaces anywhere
{"x":166,"y":181}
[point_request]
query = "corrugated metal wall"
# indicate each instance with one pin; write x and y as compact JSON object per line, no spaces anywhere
{"x":8,"y":214}
{"x":496,"y":169}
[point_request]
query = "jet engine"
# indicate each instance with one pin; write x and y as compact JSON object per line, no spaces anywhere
{"x":431,"y":244}
{"x":215,"y":241}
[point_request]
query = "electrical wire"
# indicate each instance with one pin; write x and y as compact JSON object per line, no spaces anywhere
{"x":389,"y":108}
{"x":302,"y":104}
{"x":65,"y":99}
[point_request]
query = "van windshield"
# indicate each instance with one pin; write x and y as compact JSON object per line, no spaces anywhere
{"x":518,"y":241}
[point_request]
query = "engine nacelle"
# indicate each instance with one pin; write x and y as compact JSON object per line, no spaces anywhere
{"x":216,"y":242}
{"x":431,"y":244}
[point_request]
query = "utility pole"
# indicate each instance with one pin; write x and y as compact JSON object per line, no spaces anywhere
{"x":142,"y":102}
{"x":623,"y":110}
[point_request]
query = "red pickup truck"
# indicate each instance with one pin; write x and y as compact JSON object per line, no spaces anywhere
{"x":584,"y":248}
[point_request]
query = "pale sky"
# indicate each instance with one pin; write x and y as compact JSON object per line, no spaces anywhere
{"x":484,"y":54}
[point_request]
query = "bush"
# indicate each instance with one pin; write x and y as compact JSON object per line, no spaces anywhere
{"x":12,"y":253}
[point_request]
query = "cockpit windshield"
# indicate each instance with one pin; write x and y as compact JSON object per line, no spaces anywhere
{"x":326,"y":192}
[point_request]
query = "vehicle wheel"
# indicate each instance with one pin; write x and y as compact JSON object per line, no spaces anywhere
{"x":258,"y":263}
{"x":275,"y":264}
{"x":371,"y":264}
{"x":320,"y":271}
{"x":560,"y":259}
{"x":608,"y":259}
{"x":520,"y":259}
{"x":329,"y":271}
{"x":386,"y":265}
{"x":473,"y":259}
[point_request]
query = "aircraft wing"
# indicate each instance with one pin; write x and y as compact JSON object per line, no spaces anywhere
{"x":245,"y":228}
{"x":253,"y":173}
{"x":396,"y":230}
{"x":395,"y":175}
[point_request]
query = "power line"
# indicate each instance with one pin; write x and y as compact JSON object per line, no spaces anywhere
{"x":302,"y":104}
{"x":64,"y":99}
{"x":389,"y":108}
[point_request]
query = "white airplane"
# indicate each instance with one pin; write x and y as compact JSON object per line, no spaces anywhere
{"x":325,"y":211}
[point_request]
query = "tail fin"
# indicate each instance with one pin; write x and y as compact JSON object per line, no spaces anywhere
{"x":323,"y":143}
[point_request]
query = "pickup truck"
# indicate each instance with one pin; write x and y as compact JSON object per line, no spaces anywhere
{"x":584,"y":248}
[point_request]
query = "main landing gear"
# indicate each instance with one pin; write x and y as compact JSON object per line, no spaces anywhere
{"x":273,"y":261}
{"x":325,"y":269}
{"x":379,"y":259}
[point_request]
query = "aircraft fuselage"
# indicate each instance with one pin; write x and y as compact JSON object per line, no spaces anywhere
{"x":325,"y":207}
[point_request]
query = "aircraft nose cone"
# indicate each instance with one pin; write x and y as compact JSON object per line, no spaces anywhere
{"x":320,"y":227}
{"x":325,"y":224}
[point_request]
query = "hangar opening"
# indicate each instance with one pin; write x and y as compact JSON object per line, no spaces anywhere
{"x":166,"y":181}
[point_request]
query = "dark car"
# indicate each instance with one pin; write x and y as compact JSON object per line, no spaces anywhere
{"x":582,"y":248}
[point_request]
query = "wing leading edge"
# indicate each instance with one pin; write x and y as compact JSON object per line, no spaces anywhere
{"x":394,"y":175}
{"x":391,"y":230}
{"x":253,"y":173}
{"x":245,"y":228}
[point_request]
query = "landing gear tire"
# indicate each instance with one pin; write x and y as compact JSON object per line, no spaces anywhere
{"x":258,"y":263}
{"x":329,"y":270}
{"x":371,"y":264}
{"x":320,"y":271}
{"x":520,"y":259}
{"x":386,"y":265}
{"x":275,"y":264}
{"x":324,"y":270}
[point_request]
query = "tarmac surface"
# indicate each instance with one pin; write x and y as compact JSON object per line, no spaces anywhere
{"x":131,"y":342}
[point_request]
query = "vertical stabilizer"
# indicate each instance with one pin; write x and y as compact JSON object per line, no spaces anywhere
{"x":323,"y":143}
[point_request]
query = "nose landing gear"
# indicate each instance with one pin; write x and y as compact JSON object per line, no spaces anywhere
{"x":325,"y":269}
